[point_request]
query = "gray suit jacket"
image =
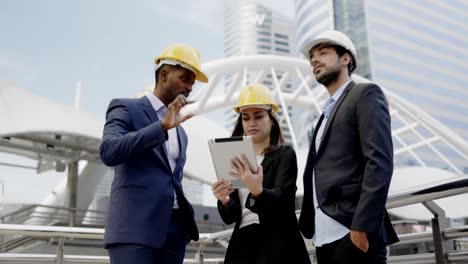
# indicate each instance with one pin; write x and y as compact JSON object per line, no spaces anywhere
{"x":353,"y":166}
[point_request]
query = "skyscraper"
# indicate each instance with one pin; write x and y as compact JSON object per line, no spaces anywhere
{"x":252,"y":28}
{"x":414,"y":48}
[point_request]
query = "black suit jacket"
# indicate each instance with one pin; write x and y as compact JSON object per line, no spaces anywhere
{"x":353,"y":166}
{"x":281,"y":240}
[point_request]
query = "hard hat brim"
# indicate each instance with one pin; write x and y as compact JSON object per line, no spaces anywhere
{"x":308,"y":47}
{"x":238,"y":108}
{"x":201,"y":77}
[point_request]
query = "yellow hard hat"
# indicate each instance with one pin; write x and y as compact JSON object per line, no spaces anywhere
{"x":256,"y":95}
{"x":184,"y":56}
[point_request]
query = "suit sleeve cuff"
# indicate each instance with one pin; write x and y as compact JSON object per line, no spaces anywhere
{"x":155,"y":135}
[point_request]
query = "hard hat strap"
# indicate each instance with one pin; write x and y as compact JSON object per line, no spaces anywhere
{"x":175,"y":63}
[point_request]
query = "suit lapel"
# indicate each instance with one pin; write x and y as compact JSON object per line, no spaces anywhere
{"x":319,"y":123}
{"x":335,"y":109}
{"x":160,"y":150}
{"x":149,"y":109}
{"x":266,"y":162}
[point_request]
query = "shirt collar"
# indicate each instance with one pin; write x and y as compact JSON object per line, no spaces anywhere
{"x":329,"y":104}
{"x":155,"y":102}
{"x":340,"y":90}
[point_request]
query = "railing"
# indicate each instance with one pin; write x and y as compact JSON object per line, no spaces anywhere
{"x":55,"y":215}
{"x":62,"y":233}
{"x":442,"y":234}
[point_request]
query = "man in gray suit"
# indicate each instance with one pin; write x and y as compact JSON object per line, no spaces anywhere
{"x":350,"y":161}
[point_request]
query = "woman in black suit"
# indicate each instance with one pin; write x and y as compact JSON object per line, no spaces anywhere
{"x":266,"y":229}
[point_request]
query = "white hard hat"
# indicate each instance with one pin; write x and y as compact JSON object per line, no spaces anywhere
{"x":331,"y":37}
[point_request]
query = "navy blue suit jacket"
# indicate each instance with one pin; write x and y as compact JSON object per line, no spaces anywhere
{"x":353,"y":166}
{"x":142,"y":193}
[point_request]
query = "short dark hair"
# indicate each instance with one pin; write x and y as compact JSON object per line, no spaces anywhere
{"x":276,"y":134}
{"x":341,"y":51}
{"x":165,"y":66}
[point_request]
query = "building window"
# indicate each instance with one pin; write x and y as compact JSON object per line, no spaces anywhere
{"x":282,"y":50}
{"x":277,"y":35}
{"x":264,"y":40}
{"x":263,"y":47}
{"x":263,"y":33}
{"x":281,"y":43}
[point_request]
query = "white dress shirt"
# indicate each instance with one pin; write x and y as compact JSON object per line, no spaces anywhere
{"x":172,"y":143}
{"x":327,"y":229}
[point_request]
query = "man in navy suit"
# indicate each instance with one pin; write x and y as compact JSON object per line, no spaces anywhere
{"x":350,"y":161}
{"x":150,"y":220}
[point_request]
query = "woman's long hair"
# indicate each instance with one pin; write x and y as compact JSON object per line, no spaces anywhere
{"x":276,"y":134}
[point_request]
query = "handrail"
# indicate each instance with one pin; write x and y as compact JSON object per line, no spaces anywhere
{"x":83,"y":233}
{"x":448,"y":233}
{"x":455,"y":232}
{"x":33,"y":206}
{"x":214,"y":237}
{"x":21,"y":210}
{"x":441,"y":232}
{"x":52,"y":257}
{"x":422,"y":194}
{"x":54,"y":214}
{"x":82,"y":258}
{"x":205,"y":238}
{"x":52,"y":231}
{"x":429,"y":192}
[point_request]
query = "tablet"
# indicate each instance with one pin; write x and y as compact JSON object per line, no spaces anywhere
{"x":223,"y":150}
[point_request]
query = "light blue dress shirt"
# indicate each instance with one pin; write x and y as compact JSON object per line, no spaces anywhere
{"x":327,"y":229}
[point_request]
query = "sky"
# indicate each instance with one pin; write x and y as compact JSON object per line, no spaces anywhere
{"x":48,"y":46}
{"x":109,"y":45}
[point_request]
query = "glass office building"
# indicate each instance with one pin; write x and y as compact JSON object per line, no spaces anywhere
{"x":417,"y":49}
{"x":251,"y":28}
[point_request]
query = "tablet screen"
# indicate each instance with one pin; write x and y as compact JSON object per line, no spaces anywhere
{"x":223,"y":150}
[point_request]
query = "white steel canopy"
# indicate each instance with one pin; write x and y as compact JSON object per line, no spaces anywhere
{"x":41,"y":129}
{"x":49,"y":132}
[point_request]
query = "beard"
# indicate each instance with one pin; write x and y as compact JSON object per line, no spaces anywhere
{"x":330,"y":76}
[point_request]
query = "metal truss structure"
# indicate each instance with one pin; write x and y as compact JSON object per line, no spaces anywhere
{"x":419,"y":139}
{"x":60,"y":137}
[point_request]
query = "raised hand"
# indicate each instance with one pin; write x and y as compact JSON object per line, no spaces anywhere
{"x":252,"y":180}
{"x":173,"y":117}
{"x":221,"y":190}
